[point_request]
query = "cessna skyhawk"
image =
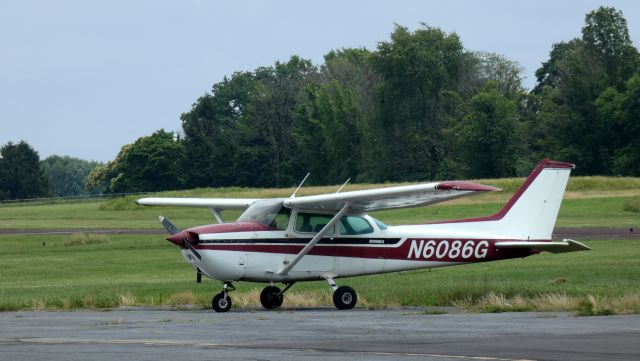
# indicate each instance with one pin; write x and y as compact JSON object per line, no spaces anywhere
{"x":330,"y":236}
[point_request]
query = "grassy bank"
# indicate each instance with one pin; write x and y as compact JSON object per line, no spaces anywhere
{"x":84,"y":271}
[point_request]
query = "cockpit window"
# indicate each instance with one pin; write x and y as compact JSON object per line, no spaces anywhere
{"x":312,"y":223}
{"x":350,"y":225}
{"x":381,"y":225}
{"x":271,"y":213}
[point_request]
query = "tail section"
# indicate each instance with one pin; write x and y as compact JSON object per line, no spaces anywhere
{"x":531,"y":212}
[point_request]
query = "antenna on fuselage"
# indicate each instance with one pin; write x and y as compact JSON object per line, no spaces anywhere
{"x":301,"y":183}
{"x":343,"y":184}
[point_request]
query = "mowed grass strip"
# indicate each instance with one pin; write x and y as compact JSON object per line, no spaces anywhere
{"x":52,"y":272}
{"x":613,"y":211}
{"x":589,"y":202}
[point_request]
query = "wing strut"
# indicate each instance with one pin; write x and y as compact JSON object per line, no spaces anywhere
{"x":217,"y":214}
{"x":314,"y":240}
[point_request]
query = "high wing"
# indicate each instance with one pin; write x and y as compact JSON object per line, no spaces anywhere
{"x":213,"y":203}
{"x":389,"y":198}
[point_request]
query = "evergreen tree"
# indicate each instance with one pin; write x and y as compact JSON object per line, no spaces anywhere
{"x":21,"y":175}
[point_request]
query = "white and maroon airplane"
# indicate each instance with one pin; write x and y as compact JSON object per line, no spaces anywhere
{"x":329,"y":236}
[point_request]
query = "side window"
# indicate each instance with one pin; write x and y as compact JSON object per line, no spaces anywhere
{"x":312,"y":223}
{"x":350,"y":225}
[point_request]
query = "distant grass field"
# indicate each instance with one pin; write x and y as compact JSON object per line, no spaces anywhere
{"x":88,"y":271}
{"x":589,"y":202}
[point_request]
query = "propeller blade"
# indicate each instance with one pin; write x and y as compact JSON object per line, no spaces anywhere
{"x":193,"y":250}
{"x":170,"y":227}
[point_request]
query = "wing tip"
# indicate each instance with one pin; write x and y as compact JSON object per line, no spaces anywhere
{"x":465,"y":186}
{"x":579,"y":246}
{"x":143,"y":201}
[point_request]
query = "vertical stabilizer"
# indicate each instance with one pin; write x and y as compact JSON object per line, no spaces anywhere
{"x":532,"y":211}
{"x":530,"y":214}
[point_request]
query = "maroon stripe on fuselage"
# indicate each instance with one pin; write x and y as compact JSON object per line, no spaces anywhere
{"x":231,"y":228}
{"x":192,"y":234}
{"x":410,"y":249}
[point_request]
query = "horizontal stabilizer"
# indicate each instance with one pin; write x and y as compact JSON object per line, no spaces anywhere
{"x":566,"y":245}
{"x":170,"y":227}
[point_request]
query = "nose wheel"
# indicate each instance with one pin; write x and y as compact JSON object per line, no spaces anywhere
{"x":221,"y":302}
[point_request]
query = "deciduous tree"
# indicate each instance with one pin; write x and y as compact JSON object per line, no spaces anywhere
{"x":67,"y":175}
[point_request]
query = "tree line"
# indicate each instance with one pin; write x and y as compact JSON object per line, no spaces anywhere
{"x":418,"y":107}
{"x":23,"y":175}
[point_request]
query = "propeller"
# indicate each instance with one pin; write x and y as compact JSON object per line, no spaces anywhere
{"x":173,"y":231}
{"x":192,"y":249}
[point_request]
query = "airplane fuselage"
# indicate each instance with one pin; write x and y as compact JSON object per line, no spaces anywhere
{"x":248,"y":251}
{"x":328,"y":236}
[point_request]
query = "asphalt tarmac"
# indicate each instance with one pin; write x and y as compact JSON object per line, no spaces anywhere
{"x":315,"y":334}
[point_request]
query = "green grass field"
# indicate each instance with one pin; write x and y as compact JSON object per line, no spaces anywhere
{"x":60,"y":272}
{"x":94,"y":271}
{"x":580,"y":212}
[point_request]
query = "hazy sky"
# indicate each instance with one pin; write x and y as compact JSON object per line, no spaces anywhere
{"x":83,"y":78}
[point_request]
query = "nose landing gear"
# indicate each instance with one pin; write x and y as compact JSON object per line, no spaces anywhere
{"x":221,"y":302}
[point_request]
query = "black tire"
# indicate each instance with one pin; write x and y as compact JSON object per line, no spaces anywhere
{"x":345,"y":298}
{"x":270,"y":299}
{"x":220,"y":303}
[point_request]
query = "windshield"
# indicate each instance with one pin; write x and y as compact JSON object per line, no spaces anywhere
{"x":270,"y":212}
{"x":381,"y":225}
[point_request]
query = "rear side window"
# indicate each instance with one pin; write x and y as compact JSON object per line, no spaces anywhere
{"x":312,"y":223}
{"x":350,"y":225}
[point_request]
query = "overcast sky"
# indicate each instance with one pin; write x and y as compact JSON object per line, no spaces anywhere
{"x":83,"y":78}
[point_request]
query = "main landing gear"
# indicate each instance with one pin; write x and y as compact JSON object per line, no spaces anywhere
{"x":344,"y":297}
{"x":272,"y":297}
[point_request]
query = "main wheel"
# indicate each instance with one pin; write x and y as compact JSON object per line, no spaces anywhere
{"x":345,"y":298}
{"x":220,"y":303}
{"x":270,"y":298}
